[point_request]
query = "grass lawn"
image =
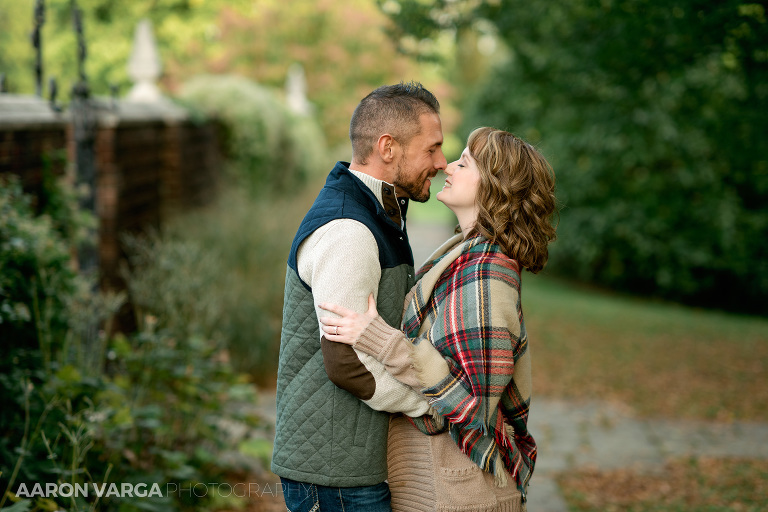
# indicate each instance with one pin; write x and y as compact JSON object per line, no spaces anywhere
{"x":661,"y":359}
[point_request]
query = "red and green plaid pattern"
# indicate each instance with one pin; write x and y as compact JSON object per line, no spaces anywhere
{"x":473,"y":316}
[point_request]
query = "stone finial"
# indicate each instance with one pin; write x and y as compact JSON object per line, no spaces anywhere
{"x":296,"y":91}
{"x":144,"y":66}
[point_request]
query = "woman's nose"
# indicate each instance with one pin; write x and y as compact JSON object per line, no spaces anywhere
{"x":451,"y":167}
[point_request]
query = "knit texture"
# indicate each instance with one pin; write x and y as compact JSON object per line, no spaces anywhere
{"x":430,"y":473}
{"x":468,"y":347}
{"x":347,"y":277}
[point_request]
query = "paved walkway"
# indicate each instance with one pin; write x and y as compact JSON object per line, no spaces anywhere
{"x":596,"y":434}
{"x":606,"y":437}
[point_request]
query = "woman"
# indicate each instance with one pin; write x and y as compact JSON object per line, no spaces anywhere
{"x":463,"y":343}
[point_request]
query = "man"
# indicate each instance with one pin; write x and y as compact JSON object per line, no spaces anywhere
{"x":331,"y":433}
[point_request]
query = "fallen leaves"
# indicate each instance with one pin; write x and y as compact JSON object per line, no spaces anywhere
{"x":701,"y":483}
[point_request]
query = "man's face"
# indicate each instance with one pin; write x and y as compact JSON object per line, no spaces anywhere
{"x":421,"y":159}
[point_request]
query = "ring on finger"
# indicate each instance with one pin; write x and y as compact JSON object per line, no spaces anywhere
{"x":337,"y":331}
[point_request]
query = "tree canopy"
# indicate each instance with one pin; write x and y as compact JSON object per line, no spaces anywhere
{"x":653,"y":114}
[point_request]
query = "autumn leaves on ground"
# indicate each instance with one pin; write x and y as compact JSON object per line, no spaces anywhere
{"x":682,"y":485}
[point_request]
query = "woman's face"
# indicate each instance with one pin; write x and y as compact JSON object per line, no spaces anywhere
{"x":461,"y":184}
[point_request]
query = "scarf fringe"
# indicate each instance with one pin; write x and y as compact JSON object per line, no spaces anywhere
{"x":499,"y":473}
{"x":437,"y":418}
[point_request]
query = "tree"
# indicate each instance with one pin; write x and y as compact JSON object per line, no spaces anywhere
{"x":653,"y":115}
{"x":108,"y":27}
{"x":343,"y":47}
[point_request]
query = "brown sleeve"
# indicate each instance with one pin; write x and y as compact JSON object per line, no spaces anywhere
{"x":346,"y":370}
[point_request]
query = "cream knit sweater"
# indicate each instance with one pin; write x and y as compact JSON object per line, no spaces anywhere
{"x":340,"y":263}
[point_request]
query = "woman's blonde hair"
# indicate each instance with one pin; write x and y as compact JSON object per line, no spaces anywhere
{"x":516,"y":196}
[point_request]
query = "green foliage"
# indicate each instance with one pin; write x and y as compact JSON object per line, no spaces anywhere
{"x":185,"y":270}
{"x":109,"y":31}
{"x":342,"y":46}
{"x":46,"y":374}
{"x":81,"y":407}
{"x":248,"y":239}
{"x":651,"y":114}
{"x":271,"y":149}
{"x":35,"y":275}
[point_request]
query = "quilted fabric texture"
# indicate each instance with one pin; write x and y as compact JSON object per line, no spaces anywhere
{"x":324,"y":434}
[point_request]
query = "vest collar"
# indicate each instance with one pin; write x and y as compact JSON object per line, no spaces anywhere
{"x":387,"y":201}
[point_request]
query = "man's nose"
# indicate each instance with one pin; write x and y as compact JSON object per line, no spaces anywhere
{"x":442,"y":162}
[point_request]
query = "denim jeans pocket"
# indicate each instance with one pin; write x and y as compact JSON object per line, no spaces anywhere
{"x":372,"y":498}
{"x":300,"y":496}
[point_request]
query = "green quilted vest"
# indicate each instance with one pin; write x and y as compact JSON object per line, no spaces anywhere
{"x":324,"y":434}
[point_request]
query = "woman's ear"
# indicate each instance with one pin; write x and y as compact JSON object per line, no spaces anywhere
{"x":387,"y":148}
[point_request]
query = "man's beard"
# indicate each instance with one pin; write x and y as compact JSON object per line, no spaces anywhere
{"x":414,"y":190}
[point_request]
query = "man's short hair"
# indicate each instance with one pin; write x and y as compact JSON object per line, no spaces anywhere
{"x":393,"y":109}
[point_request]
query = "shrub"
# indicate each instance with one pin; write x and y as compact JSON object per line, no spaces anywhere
{"x":80,"y":407}
{"x":243,"y":245}
{"x":47,"y":336}
{"x":271,"y":149}
{"x":36,"y":278}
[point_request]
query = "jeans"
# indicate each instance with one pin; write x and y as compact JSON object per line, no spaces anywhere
{"x":305,"y":497}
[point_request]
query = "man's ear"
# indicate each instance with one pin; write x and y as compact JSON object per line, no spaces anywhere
{"x":387,"y":146}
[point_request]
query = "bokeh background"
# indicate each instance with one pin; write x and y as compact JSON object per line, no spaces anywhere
{"x":653,"y":113}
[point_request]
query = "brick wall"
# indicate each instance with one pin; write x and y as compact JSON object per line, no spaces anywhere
{"x":32,"y":141}
{"x":152,"y":163}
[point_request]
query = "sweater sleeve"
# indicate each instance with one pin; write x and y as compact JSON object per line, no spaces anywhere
{"x":414,"y":364}
{"x":466,"y":389}
{"x":340,"y":262}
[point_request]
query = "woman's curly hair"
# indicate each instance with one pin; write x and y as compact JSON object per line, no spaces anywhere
{"x":515,"y":197}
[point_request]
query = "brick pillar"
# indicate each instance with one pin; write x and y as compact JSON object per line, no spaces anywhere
{"x":108,"y":186}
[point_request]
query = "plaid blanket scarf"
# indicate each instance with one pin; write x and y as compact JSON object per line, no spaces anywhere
{"x":467,"y":305}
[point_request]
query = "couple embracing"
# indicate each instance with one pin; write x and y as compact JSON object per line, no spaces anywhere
{"x":403,"y":390}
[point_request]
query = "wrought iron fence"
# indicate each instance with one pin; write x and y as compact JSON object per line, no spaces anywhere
{"x":83,"y":111}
